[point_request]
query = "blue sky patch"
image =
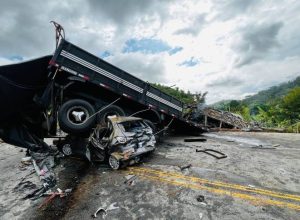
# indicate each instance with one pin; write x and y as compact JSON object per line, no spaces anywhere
{"x":105,"y":54}
{"x":15,"y":58}
{"x":175,"y":50}
{"x":191,"y":62}
{"x":146,"y":45}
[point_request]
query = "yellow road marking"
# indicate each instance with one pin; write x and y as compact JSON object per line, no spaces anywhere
{"x":216,"y":183}
{"x":180,"y":180}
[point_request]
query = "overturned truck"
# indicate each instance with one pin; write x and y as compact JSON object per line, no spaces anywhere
{"x":75,"y":90}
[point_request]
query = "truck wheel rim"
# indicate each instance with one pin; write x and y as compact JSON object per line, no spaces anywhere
{"x":114,"y":163}
{"x":77,"y":115}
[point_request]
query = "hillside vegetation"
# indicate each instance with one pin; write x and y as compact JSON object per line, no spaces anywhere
{"x":185,"y":97}
{"x":278,"y":106}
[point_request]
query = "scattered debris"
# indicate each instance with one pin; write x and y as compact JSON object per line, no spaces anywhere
{"x":200,"y":198}
{"x":203,"y":204}
{"x":130,"y":180}
{"x":26,"y":159}
{"x":208,"y":151}
{"x":68,"y":191}
{"x":104,"y":210}
{"x":35,"y":194}
{"x":185,"y":167}
{"x":42,"y":161}
{"x":32,"y":172}
{"x":24,"y":185}
{"x":52,"y":195}
{"x":101,"y":210}
{"x":195,"y":140}
{"x":263,"y":147}
{"x":225,"y":117}
{"x":200,"y":215}
{"x":112,"y":207}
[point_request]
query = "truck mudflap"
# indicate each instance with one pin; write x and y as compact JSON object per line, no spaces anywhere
{"x":21,"y":136}
{"x":19,"y":83}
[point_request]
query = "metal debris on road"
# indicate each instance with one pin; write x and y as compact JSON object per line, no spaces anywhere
{"x":68,"y":190}
{"x":104,"y":210}
{"x":25,"y":186}
{"x":59,"y":190}
{"x":200,"y":215}
{"x":26,"y":159}
{"x":185,"y":167}
{"x":203,"y":204}
{"x":42,"y":163}
{"x":263,"y":147}
{"x":112,"y":207}
{"x":100,"y":209}
{"x":195,"y":140}
{"x":208,"y":151}
{"x":130,"y":180}
{"x":35,"y":194}
{"x":52,"y":195}
{"x":29,"y":174}
{"x":200,"y":198}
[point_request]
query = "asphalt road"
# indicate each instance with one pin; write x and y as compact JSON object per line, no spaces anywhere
{"x":259,"y":179}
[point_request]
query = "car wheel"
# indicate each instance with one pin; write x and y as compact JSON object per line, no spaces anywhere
{"x":67,"y":150}
{"x":74,"y":116}
{"x":114,"y":163}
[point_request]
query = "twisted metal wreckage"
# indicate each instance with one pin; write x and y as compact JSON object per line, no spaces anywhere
{"x":87,"y":99}
{"x":76,"y":91}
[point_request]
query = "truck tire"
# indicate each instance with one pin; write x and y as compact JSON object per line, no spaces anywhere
{"x":158,"y":137}
{"x":74,"y":116}
{"x":109,"y":111}
{"x":151,"y":125}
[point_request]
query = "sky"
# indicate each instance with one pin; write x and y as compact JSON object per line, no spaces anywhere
{"x":229,"y":48}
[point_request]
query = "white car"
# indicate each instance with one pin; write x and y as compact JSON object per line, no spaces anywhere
{"x":123,"y":141}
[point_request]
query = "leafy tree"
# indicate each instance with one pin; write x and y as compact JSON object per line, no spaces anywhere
{"x":291,"y":105}
{"x":185,"y":97}
{"x":245,"y":112}
{"x":235,"y":106}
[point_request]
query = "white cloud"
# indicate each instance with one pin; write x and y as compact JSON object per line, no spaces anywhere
{"x":5,"y":61}
{"x":240,"y":46}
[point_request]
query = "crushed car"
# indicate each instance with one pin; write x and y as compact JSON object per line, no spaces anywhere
{"x":123,"y":141}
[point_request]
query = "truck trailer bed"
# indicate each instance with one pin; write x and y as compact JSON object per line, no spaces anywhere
{"x":79,"y":62}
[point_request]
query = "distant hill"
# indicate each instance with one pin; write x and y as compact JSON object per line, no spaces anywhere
{"x":272,"y":93}
{"x":263,"y":96}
